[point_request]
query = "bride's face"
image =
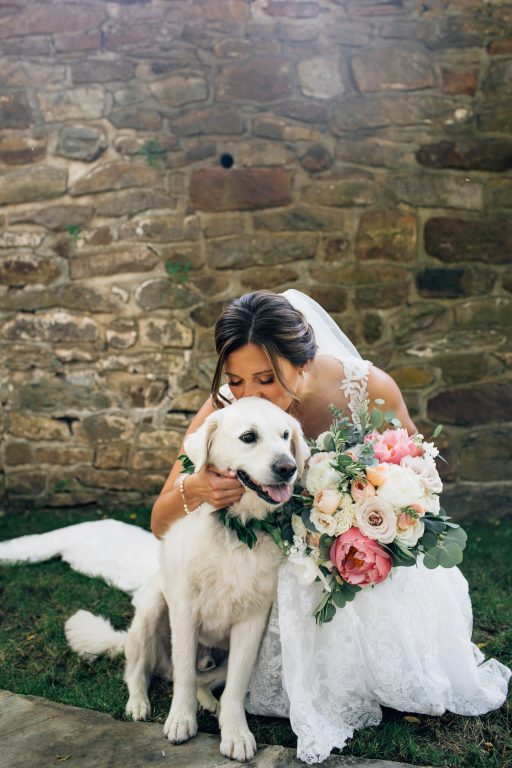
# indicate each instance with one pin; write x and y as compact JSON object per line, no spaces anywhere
{"x":249,"y":374}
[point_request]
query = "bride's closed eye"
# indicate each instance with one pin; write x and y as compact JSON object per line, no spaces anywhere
{"x":261,"y":381}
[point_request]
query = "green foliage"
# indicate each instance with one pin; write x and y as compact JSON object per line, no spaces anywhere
{"x":152,"y":151}
{"x":74,"y":231}
{"x":177,"y":270}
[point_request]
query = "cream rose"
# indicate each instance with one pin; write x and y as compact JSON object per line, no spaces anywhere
{"x":376,"y":519}
{"x":344,"y":518}
{"x":322,"y":522}
{"x":431,"y":504}
{"x":327,"y":501}
{"x":320,"y":474}
{"x":425,"y":468}
{"x":402,"y":488}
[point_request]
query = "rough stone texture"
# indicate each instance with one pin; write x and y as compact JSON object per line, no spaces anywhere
{"x":159,"y":158}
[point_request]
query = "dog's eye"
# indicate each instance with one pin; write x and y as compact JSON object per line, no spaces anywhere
{"x":286,"y":435}
{"x":248,"y":437}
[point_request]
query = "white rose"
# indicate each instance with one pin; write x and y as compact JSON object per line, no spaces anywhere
{"x":431,"y":504}
{"x":322,"y":522}
{"x":425,"y":468}
{"x":376,"y":518}
{"x":306,"y":570}
{"x":344,"y":516}
{"x":298,"y":526}
{"x":409,"y":536}
{"x":320,"y":474}
{"x":402,"y":487}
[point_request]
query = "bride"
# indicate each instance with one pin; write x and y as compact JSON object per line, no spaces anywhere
{"x":404,"y":644}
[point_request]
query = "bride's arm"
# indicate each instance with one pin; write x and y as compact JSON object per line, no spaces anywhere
{"x":381,"y":385}
{"x":207,"y":485}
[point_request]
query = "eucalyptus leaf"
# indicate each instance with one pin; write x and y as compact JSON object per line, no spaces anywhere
{"x":377,"y":418}
{"x":436,"y":526}
{"x":450,"y":555}
{"x":457,"y":536}
{"x":329,"y":443}
{"x":431,"y":559}
{"x":437,"y":431}
{"x":339,"y":599}
{"x":389,"y":415}
{"x":428,"y":541}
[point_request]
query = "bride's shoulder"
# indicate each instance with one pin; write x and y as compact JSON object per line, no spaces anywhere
{"x":382,"y":386}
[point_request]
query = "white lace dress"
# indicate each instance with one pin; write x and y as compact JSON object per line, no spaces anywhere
{"x":405,"y":644}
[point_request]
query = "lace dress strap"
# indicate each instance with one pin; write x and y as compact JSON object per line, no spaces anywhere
{"x":355,"y":386}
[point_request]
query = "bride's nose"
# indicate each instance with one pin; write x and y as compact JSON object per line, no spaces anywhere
{"x":252,"y":390}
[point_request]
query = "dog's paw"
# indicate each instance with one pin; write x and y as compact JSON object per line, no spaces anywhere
{"x":237,"y":743}
{"x":180,"y":726}
{"x":207,"y":701}
{"x":138,"y":708}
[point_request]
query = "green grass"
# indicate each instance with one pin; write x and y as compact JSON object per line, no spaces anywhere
{"x":35,"y":601}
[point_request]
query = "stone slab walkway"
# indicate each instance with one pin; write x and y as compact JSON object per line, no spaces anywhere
{"x":37,"y":733}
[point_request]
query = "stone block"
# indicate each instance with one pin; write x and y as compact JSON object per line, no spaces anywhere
{"x":33,"y":427}
{"x":497,"y":79}
{"x":260,"y":278}
{"x":244,"y":251}
{"x":25,"y":482}
{"x":463,"y":503}
{"x":380,"y":110}
{"x":81,"y":142}
{"x":336,"y":248}
{"x":219,"y":224}
{"x":299,"y":218}
{"x":483,"y":403}
{"x":499,"y":193}
{"x":130,"y":36}
{"x":432,"y":190}
{"x":239,"y":189}
{"x":500,"y":47}
{"x":16,"y":453}
{"x":137,"y":117}
{"x":212,"y":120}
{"x":206,"y":315}
{"x":320,"y":77}
{"x":375,"y":152}
{"x":162,"y":228}
{"x":305,"y":110}
{"x":102,"y":70}
{"x":459,"y":368}
{"x":122,"y":334}
{"x":111,"y":456}
{"x":115,"y":260}
{"x":129,"y":203}
{"x":63,"y":295}
{"x":114,"y":176}
{"x":470,"y":154}
{"x":60,"y":397}
{"x":19,"y":269}
{"x":164,"y":294}
{"x":15,"y":111}
{"x":259,"y":79}
{"x":37,"y":183}
{"x":394,"y":68}
{"x":87,"y":103}
{"x":21,"y":150}
{"x":458,"y":82}
{"x":52,"y":19}
{"x":54,"y":326}
{"x":485,"y":455}
{"x":159,"y":332}
{"x":332,"y":298}
{"x":55,"y":217}
{"x":107,"y":428}
{"x":420,"y":322}
{"x":412,"y":376}
{"x":492,"y":312}
{"x":89,"y":40}
{"x":316,"y":158}
{"x":292,"y":9}
{"x":387,"y":234}
{"x":154,"y":437}
{"x":454,"y":283}
{"x":372,"y":327}
{"x":136,"y":390}
{"x":178,"y":89}
{"x":452,"y":239}
{"x":62,"y":455}
{"x":354,"y":190}
{"x":152,"y":460}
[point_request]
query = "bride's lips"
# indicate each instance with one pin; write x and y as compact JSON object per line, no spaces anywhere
{"x":272,"y":494}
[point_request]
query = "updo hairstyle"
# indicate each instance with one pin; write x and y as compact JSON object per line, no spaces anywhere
{"x":268,"y":320}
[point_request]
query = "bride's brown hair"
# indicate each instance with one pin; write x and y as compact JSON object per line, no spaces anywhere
{"x":268,"y":320}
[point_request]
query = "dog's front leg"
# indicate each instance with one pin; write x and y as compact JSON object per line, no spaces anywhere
{"x":181,"y":723}
{"x":237,"y":741}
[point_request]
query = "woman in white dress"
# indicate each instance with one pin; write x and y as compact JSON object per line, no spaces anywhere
{"x":406,"y":643}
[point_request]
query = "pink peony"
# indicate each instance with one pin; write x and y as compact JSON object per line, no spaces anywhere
{"x":392,"y":445}
{"x":360,"y":560}
{"x":361,"y":490}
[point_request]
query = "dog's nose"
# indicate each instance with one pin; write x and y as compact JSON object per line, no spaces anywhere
{"x":284,"y":468}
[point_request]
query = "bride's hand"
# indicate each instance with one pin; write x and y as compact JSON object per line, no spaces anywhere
{"x":220,"y":489}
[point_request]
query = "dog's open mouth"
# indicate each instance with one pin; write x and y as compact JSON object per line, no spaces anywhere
{"x":273,"y":494}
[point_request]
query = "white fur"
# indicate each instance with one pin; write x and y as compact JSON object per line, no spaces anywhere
{"x":211,"y":587}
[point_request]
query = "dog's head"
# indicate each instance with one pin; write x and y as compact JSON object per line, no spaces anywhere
{"x":260,"y":442}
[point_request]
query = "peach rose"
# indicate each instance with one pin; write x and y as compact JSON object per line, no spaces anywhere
{"x":327,"y":501}
{"x":378,"y":474}
{"x":392,"y":445}
{"x":360,"y":560}
{"x":361,"y":490}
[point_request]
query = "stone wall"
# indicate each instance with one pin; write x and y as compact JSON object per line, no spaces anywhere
{"x":161,"y":156}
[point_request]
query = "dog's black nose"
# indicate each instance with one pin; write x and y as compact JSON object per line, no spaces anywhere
{"x":283,"y":468}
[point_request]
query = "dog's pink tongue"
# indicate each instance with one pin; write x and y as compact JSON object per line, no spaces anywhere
{"x":279,"y":493}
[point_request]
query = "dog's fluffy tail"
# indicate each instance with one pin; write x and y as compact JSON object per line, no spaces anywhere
{"x":90,"y":636}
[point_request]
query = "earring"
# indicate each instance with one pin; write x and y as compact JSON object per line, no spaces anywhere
{"x":302,"y":373}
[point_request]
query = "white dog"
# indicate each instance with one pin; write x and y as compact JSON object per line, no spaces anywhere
{"x":211,"y":587}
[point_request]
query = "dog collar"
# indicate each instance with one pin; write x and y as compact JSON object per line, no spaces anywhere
{"x":247,"y":533}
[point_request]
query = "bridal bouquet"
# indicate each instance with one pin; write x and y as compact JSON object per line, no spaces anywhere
{"x":369,"y":503}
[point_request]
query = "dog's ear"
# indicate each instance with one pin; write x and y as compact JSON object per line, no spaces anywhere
{"x":197,"y":445}
{"x":300,"y":448}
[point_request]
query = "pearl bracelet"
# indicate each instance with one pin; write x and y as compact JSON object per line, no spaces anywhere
{"x":182,"y":491}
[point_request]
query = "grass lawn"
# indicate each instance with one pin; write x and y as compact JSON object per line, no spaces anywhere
{"x":34,"y":658}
